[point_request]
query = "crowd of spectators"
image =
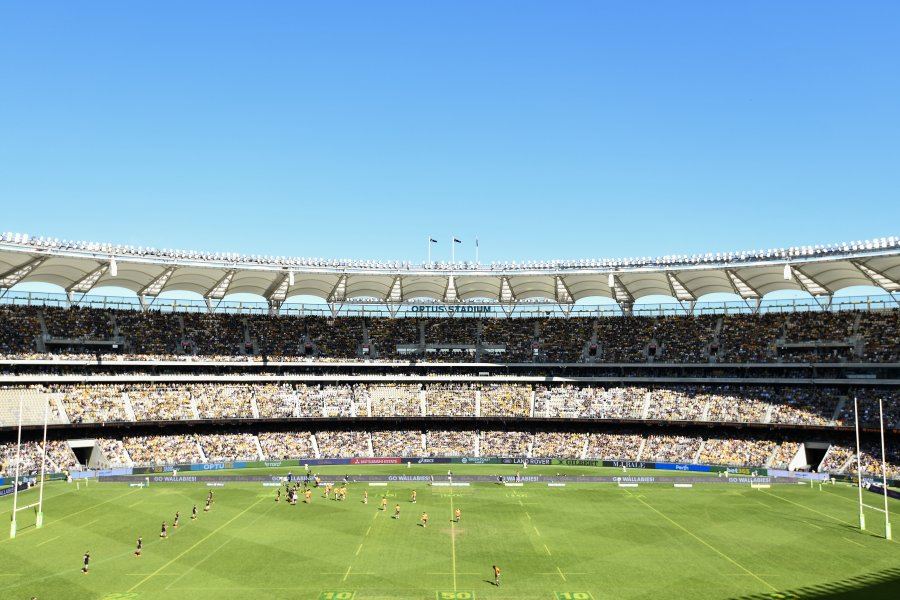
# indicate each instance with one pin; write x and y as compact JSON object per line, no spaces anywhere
{"x":671,"y":448}
{"x":162,"y":449}
{"x":614,"y":446}
{"x":453,"y":400}
{"x":678,"y":339}
{"x":276,"y":401}
{"x":223,"y":401}
{"x":397,"y":443}
{"x":737,"y":451}
{"x":286,"y":445}
{"x":786,"y":452}
{"x":504,"y":443}
{"x":730,"y":403}
{"x":114,"y":451}
{"x":161,"y":403}
{"x":400,"y":400}
{"x":450,"y":443}
{"x":29,"y":459}
{"x":98,"y":403}
{"x":505,"y":400}
{"x":558,"y":444}
{"x":743,"y":450}
{"x":880,"y":330}
{"x":836,"y":458}
{"x":869,"y":413}
{"x":342,"y":444}
{"x":228,"y":447}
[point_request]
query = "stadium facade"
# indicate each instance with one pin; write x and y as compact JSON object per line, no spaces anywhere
{"x":128,"y":385}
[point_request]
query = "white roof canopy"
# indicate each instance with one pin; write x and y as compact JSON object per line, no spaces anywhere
{"x":79,"y":271}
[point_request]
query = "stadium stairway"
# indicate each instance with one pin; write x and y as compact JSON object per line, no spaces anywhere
{"x":640,"y":451}
{"x":195,"y":412}
{"x":129,"y":408}
{"x":254,"y":409}
{"x":259,"y":450}
{"x":842,"y":400}
{"x":646,"y":409}
{"x":200,"y":451}
{"x":315,"y":445}
{"x":57,"y":401}
{"x":696,"y":457}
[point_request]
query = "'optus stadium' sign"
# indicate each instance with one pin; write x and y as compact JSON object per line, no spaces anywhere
{"x":437,"y":308}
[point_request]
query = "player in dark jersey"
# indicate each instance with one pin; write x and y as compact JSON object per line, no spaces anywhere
{"x":207,"y":507}
{"x":177,"y":518}
{"x":140,"y":547}
{"x":278,"y":495}
{"x":164,"y":532}
{"x":87,"y":562}
{"x":194,"y":513}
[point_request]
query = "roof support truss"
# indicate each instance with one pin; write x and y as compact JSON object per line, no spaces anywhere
{"x":741,"y":287}
{"x":809,"y":284}
{"x":622,"y":295}
{"x":563,"y":295}
{"x":219,"y":291}
{"x":339,"y":291}
{"x":507,"y":295}
{"x":450,"y":290}
{"x":155,"y":287}
{"x":877,"y":277}
{"x":396,"y":292}
{"x":679,"y":291}
{"x":17,"y":274}
{"x":84,"y":285}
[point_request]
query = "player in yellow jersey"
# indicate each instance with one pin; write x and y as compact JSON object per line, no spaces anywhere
{"x":343,"y":493}
{"x":496,"y":575}
{"x":424,"y":519}
{"x":413,"y":499}
{"x":308,"y":495}
{"x":456,"y":514}
{"x":384,"y":503}
{"x":397,"y":512}
{"x":365,"y":496}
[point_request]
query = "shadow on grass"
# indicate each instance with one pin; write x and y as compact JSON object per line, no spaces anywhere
{"x":872,"y":586}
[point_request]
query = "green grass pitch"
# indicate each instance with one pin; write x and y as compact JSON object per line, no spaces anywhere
{"x":578,"y":542}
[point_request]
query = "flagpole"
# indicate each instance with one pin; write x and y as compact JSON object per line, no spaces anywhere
{"x":453,"y":251}
{"x":476,"y":251}
{"x":429,"y":250}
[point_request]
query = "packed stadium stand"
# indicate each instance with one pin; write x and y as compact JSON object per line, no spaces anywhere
{"x":144,"y":384}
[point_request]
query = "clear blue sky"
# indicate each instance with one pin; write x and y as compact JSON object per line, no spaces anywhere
{"x":356,"y":129}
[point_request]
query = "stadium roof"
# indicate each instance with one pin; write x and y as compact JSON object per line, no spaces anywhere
{"x":79,"y":267}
